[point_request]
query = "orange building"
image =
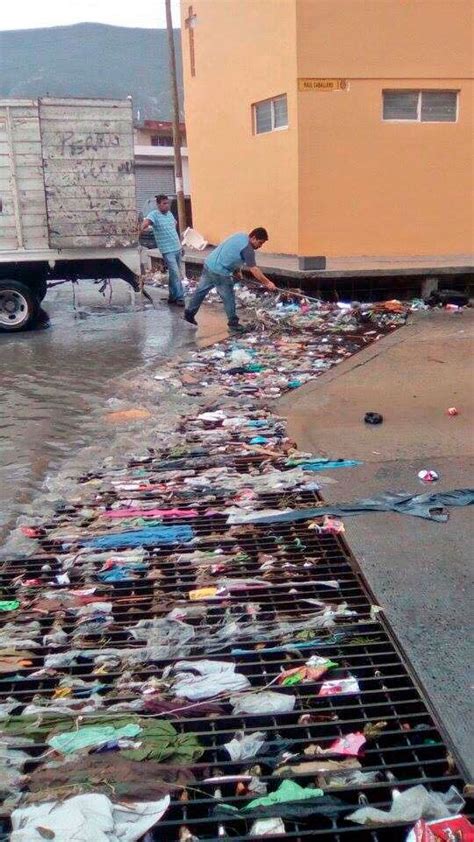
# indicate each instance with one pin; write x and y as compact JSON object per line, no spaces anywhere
{"x":343,"y":126}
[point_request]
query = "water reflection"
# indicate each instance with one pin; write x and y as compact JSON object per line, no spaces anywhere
{"x":53,"y":381}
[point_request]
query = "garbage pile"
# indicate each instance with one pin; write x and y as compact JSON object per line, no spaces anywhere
{"x":291,"y":340}
{"x":168,"y":673}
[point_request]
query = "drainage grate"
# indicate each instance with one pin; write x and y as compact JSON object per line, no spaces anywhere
{"x":409,"y":749}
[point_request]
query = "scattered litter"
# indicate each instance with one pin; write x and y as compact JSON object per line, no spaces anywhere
{"x":9,"y":604}
{"x":325,"y":464}
{"x":373,"y":418}
{"x":151,"y":604}
{"x":150,"y":536}
{"x":409,"y":806}
{"x":429,"y":506}
{"x":265,"y":702}
{"x":243,"y":746}
{"x":455,"y":829}
{"x":338,"y":687}
{"x":267,"y":827}
{"x":85,"y":818}
{"x":453,"y":411}
{"x":448,"y":298}
{"x":428,"y":475}
{"x":95,"y":736}
{"x":124,"y":415}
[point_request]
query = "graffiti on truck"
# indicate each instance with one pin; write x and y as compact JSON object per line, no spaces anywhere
{"x":77,"y":144}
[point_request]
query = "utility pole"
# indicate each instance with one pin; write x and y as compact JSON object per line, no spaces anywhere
{"x":178,"y":164}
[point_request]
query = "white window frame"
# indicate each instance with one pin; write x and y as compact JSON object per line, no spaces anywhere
{"x":421,"y":91}
{"x":272,"y":101}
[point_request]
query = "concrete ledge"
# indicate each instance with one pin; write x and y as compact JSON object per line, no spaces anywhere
{"x":284,"y":266}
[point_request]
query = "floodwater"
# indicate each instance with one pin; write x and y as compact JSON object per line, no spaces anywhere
{"x":55,"y":381}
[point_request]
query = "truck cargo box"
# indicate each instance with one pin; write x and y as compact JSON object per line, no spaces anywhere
{"x":66,"y":174}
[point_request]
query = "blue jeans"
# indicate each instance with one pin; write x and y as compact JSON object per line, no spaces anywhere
{"x":173,"y":263}
{"x":225,"y":289}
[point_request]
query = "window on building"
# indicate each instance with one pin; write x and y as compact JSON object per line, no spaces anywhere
{"x":162,"y":140}
{"x":270,"y":115}
{"x":439,"y":106}
{"x":421,"y":106}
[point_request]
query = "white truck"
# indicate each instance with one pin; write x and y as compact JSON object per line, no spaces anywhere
{"x":67,"y":199}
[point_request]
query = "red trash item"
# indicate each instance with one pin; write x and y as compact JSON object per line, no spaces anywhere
{"x":453,"y":411}
{"x":428,"y":476}
{"x":454,"y":829}
{"x":350,"y":745}
{"x":32,"y":531}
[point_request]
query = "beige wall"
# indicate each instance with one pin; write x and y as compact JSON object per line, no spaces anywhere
{"x":386,"y":38}
{"x":372,"y":187}
{"x":340,"y":180}
{"x":245,"y":52}
{"x":142,"y":137}
{"x":368,"y":186}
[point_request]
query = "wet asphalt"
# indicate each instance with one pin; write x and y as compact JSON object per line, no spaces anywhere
{"x":56,"y":380}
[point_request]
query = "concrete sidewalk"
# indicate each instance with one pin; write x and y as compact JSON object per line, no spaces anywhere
{"x":286,"y":266}
{"x":421,"y":572}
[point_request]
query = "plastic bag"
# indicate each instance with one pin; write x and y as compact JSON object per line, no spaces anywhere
{"x":339,"y":686}
{"x":413,"y":804}
{"x":265,"y":702}
{"x":243,"y":746}
{"x":267,"y":827}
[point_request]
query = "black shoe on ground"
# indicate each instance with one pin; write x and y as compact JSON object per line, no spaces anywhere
{"x":189,"y":317}
{"x":174,"y":302}
{"x":238,"y":329}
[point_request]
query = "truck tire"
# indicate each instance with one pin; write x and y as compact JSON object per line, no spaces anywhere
{"x":36,"y":282}
{"x":40,"y":288}
{"x":19,"y":306}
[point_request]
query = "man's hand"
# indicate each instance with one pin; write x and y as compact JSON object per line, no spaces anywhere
{"x":238,"y":276}
{"x":270,"y":286}
{"x":261,"y":278}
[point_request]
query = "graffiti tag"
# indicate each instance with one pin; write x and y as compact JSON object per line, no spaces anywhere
{"x":77,"y":144}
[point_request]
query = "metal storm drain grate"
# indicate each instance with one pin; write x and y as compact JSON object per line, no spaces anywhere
{"x":286,"y":571}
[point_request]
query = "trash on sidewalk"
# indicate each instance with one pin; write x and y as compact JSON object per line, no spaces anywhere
{"x":373,"y":418}
{"x":428,"y":506}
{"x":124,"y":415}
{"x":428,"y":475}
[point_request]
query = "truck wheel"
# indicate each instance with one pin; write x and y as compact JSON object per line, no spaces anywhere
{"x":40,"y":288}
{"x":36,"y":282}
{"x":19,"y":306}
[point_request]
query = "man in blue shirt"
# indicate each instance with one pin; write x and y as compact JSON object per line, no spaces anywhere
{"x":166,"y":238}
{"x":223,"y":265}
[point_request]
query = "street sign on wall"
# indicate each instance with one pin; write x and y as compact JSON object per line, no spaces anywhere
{"x":323,"y":85}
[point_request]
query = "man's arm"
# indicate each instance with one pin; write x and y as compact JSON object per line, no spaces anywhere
{"x":248,"y":256}
{"x":145,"y":224}
{"x":261,"y":278}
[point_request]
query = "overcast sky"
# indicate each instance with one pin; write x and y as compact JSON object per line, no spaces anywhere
{"x":31,"y":14}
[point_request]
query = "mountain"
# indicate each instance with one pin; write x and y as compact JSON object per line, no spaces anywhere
{"x":91,"y":60}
